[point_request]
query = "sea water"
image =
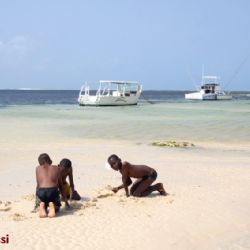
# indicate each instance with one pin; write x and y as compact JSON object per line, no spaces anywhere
{"x":55,"y":115}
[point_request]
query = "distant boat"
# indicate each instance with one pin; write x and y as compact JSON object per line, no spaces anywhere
{"x":209,"y":90}
{"x":111,"y":93}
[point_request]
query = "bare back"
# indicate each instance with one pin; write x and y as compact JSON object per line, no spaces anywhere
{"x":47,"y":176}
{"x":135,"y":171}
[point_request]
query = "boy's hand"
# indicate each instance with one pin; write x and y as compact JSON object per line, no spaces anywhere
{"x":69,"y":208}
{"x":67,"y":204}
{"x":71,"y":193}
{"x":115,"y":189}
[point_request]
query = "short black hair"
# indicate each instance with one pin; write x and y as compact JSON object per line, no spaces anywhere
{"x":66,"y":163}
{"x":115,"y":157}
{"x":44,"y":158}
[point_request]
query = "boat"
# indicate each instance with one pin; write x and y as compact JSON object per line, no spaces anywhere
{"x":111,"y":93}
{"x":209,"y":90}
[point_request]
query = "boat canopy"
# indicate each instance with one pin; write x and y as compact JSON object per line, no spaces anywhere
{"x":210,"y":84}
{"x":119,"y":82}
{"x":211,"y":77}
{"x":210,"y":81}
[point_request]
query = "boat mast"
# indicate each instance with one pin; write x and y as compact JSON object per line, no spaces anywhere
{"x":202,"y":74}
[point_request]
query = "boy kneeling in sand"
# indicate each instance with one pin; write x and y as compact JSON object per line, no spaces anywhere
{"x":48,"y":179}
{"x":65,"y":169}
{"x":144,"y":174}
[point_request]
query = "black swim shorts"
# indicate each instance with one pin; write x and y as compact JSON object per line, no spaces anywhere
{"x":152,"y":175}
{"x":49,"y":195}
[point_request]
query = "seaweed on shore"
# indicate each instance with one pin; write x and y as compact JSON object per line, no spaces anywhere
{"x":173,"y":144}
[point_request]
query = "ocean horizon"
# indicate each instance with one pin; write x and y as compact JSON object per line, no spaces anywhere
{"x":32,"y":96}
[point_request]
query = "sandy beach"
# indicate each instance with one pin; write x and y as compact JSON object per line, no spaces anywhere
{"x":207,"y":206}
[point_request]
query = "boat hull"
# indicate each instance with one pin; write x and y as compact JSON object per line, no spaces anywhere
{"x":224,"y":97}
{"x":200,"y":96}
{"x":107,"y":100}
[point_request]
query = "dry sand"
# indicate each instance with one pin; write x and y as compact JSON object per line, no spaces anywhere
{"x":208,"y":205}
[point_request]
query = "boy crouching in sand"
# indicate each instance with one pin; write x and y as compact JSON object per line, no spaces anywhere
{"x":48,"y":179}
{"x":144,"y":174}
{"x":66,"y":170}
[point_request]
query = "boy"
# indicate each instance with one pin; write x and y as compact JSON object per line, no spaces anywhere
{"x":48,"y":180}
{"x":144,"y":174}
{"x":66,"y":170}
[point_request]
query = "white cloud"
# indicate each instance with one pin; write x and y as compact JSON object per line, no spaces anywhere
{"x":15,"y":50}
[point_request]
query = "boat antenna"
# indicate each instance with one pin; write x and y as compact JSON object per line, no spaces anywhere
{"x":192,"y":79}
{"x":202,"y":74}
{"x":237,"y":70}
{"x":147,"y":99}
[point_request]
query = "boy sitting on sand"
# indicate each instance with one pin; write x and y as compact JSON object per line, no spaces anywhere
{"x":144,"y":174}
{"x":48,"y":178}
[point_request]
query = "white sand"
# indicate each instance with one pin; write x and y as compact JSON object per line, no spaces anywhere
{"x":208,"y":206}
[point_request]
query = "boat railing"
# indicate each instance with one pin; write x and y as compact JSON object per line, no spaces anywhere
{"x":87,"y":90}
{"x":84,"y":90}
{"x":122,"y":90}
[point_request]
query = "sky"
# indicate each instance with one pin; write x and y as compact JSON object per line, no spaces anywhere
{"x":60,"y":44}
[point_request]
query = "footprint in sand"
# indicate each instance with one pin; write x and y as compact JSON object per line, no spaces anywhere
{"x":89,"y":204}
{"x":80,"y":206}
{"x":108,"y":187}
{"x":104,"y":193}
{"x":77,"y":206}
{"x":170,"y":198}
{"x":171,"y":201}
{"x":29,"y":197}
{"x":121,"y":200}
{"x":5,"y":206}
{"x":18,"y":217}
{"x":137,"y":200}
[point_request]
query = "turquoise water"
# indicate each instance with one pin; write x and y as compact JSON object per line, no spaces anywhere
{"x":217,"y":121}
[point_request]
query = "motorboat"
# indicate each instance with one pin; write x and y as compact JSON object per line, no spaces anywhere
{"x":209,"y":90}
{"x":111,"y":93}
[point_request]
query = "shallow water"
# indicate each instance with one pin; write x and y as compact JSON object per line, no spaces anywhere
{"x":216,"y":121}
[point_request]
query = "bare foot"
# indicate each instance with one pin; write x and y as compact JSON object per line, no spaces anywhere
{"x":52,"y":211}
{"x":42,"y":212}
{"x":162,"y":190}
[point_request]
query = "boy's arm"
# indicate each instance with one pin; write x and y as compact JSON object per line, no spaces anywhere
{"x":125,"y":184}
{"x":37,"y":186}
{"x":62,"y":191}
{"x":126,"y":181}
{"x":71,"y":183}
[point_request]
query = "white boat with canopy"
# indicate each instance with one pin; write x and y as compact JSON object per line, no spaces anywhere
{"x":209,"y":90}
{"x":111,"y":93}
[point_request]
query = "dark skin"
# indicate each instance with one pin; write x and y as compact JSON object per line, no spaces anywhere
{"x":48,"y":176}
{"x":141,"y":187}
{"x":64,"y":173}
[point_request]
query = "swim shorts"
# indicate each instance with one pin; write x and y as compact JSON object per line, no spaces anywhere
{"x":49,"y":195}
{"x":152,"y":175}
